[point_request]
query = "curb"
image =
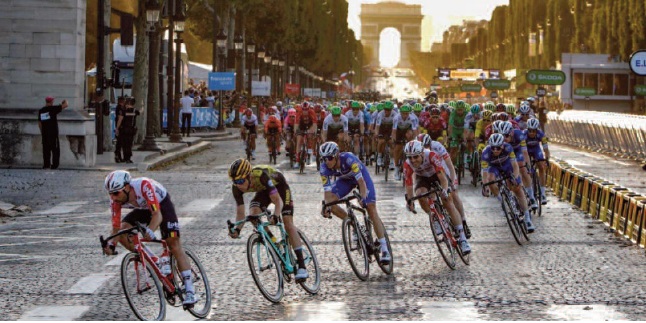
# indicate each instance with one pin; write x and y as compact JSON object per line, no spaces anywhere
{"x":170,"y":156}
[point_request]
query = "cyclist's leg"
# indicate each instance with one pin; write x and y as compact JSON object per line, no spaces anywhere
{"x":137,"y":215}
{"x":371,"y":207}
{"x":340,"y":188}
{"x":299,"y":142}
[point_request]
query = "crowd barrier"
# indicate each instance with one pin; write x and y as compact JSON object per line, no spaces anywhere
{"x":620,"y":209}
{"x":615,"y":133}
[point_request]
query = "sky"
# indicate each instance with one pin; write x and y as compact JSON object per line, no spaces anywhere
{"x":439,"y":15}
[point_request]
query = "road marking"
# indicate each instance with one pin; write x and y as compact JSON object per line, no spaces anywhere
{"x":116,"y":260}
{"x":592,"y":312}
{"x":54,"y":313}
{"x":200,"y":205}
{"x":89,"y":284}
{"x":449,"y":311}
{"x":316,"y":311}
{"x":65,"y":207}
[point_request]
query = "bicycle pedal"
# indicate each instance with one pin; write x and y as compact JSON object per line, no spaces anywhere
{"x":187,"y":307}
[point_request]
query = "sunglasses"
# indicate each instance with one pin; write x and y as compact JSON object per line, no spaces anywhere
{"x":435,"y":117}
{"x":496,"y":148}
{"x":507,"y":135}
{"x":239,"y":181}
{"x":327,"y":158}
{"x":115,"y":193}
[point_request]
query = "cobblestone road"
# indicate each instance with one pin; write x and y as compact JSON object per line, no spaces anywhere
{"x":571,"y":269}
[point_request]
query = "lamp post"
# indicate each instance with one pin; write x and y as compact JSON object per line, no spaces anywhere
{"x":238,"y":45}
{"x":152,"y":17}
{"x":267,"y":60}
{"x":251,"y":55}
{"x":281,"y":70}
{"x":179,"y":29}
{"x":221,"y":41}
{"x":274,"y":78}
{"x":261,"y":57}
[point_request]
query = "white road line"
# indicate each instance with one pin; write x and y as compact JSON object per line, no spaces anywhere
{"x":200,"y":205}
{"x":65,"y":207}
{"x":89,"y":284}
{"x":116,"y":260}
{"x":449,"y":311}
{"x":54,"y":313}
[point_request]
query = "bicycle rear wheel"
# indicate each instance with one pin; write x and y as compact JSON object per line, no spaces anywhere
{"x":143,"y":290}
{"x":386,"y":164}
{"x":313,"y":284}
{"x":301,"y":159}
{"x":386,"y":268}
{"x":537,"y":192}
{"x":521,"y":223}
{"x":200,"y":283}
{"x":475,"y":162}
{"x":443,"y":244}
{"x":265,"y":268}
{"x":355,"y":250}
{"x":509,"y":216}
{"x":318,"y":160}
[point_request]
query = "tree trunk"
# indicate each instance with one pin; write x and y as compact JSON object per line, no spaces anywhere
{"x":140,"y":77}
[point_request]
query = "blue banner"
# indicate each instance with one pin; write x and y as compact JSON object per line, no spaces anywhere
{"x":202,"y":118}
{"x":225,"y":81}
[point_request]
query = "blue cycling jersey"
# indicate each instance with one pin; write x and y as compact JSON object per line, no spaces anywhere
{"x":347,"y":177}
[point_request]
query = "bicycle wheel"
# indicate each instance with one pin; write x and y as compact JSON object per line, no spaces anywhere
{"x":301,"y":159}
{"x":521,"y":223}
{"x":265,"y":268}
{"x":443,"y":244}
{"x":475,"y":162}
{"x":510,"y":217}
{"x":200,"y":283}
{"x":376,"y":165}
{"x":143,"y":290}
{"x":537,"y":192}
{"x":386,"y":268}
{"x":355,"y":250}
{"x":313,"y":284}
{"x":386,"y":164}
{"x":318,"y":160}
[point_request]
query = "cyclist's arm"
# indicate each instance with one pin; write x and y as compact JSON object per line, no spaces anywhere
{"x":153,"y":205}
{"x":449,"y":164}
{"x":277,"y":200}
{"x":363,"y":189}
{"x":443,"y":181}
{"x":240,"y":208}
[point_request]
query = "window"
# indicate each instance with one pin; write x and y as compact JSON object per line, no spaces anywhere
{"x":591,"y":80}
{"x":605,"y":84}
{"x":578,"y":80}
{"x":621,"y":84}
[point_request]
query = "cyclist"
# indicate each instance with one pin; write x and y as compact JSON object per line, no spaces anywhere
{"x":525,"y":114}
{"x":481,"y":125}
{"x":511,"y":110}
{"x":537,"y":148}
{"x":249,"y":123}
{"x":404,"y":129}
{"x":427,"y":167}
{"x":498,"y":158}
{"x":516,"y":139}
{"x":436,"y":126}
{"x":305,"y":122}
{"x":270,"y":187}
{"x":350,"y":173}
{"x":449,"y":170}
{"x":355,"y":126}
{"x":320,"y":116}
{"x":456,"y":129}
{"x":384,"y":126}
{"x":335,"y":127}
{"x":273,"y":129}
{"x":153,"y":208}
{"x":500,"y":107}
{"x":470,"y":122}
{"x":288,"y":130}
{"x":418,"y":111}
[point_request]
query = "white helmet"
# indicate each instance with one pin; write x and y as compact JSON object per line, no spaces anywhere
{"x":533,"y":123}
{"x":496,"y":140}
{"x":506,"y":127}
{"x":496,"y":126}
{"x":531,"y":99}
{"x":116,"y":181}
{"x":329,"y":148}
{"x":524,"y":109}
{"x":279,"y":104}
{"x":425,"y":139}
{"x":413,"y":148}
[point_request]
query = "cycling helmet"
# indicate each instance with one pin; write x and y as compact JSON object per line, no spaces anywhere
{"x":486,"y":115}
{"x":248,"y":112}
{"x":524,"y":109}
{"x":425,"y":139}
{"x":317,"y":108}
{"x":305,"y":105}
{"x":240,"y":168}
{"x":291,"y":112}
{"x":405,"y":108}
{"x":116,"y":181}
{"x":329,"y":148}
{"x":490,"y":106}
{"x":388,"y":105}
{"x":533,"y":124}
{"x":355,"y":105}
{"x":380,"y":107}
{"x":413,"y":148}
{"x":531,"y":99}
{"x":503,"y":116}
{"x":496,"y":126}
{"x":452,"y":104}
{"x":475,"y":109}
{"x":500,"y":107}
{"x":506,"y":127}
{"x":511,"y":109}
{"x":496,"y":140}
{"x":435,"y":112}
{"x":417,"y":107}
{"x":279,"y":104}
{"x":335,"y":111}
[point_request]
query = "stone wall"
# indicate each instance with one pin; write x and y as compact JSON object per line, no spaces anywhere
{"x":42,"y":53}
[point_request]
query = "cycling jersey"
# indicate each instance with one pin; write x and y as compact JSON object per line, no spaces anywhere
{"x":441,"y":152}
{"x":522,"y":125}
{"x":335,"y":126}
{"x":471,"y":120}
{"x":289,"y":123}
{"x":426,"y":172}
{"x":480,"y":127}
{"x":305,"y":121}
{"x":384,"y":123}
{"x":519,"y":144}
{"x":534,"y":144}
{"x":265,"y":181}
{"x":456,"y":122}
{"x":249,"y":122}
{"x":435,"y":130}
{"x":274,"y":124}
{"x":354,"y":121}
{"x":347,"y":176}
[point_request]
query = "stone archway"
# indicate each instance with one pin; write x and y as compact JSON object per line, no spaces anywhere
{"x":407,"y":19}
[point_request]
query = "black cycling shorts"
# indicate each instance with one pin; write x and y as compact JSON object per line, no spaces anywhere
{"x":262,"y":200}
{"x":169,"y":226}
{"x":426,"y":182}
{"x":251,"y":129}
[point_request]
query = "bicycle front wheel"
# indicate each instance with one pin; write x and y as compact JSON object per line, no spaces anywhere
{"x":537,"y":192}
{"x":265,"y":268}
{"x":387,"y":268}
{"x":143,"y":290}
{"x":355,"y":250}
{"x":442,"y":241}
{"x":202,"y":308}
{"x":313,"y":284}
{"x":509,"y":216}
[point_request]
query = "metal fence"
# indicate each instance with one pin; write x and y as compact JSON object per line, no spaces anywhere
{"x":606,"y":132}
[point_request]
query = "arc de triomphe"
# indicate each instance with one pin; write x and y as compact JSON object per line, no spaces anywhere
{"x":407,"y":19}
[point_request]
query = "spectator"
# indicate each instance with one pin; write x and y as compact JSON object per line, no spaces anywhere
{"x":119,"y":113}
{"x":187,"y":112}
{"x":127,"y":128}
{"x":48,"y":124}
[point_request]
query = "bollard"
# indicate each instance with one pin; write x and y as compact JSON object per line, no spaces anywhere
{"x":640,"y":222}
{"x":586,"y":196}
{"x":577,"y":189}
{"x":561,"y":178}
{"x":566,"y":183}
{"x":634,"y":217}
{"x":620,"y":211}
{"x":610,"y":204}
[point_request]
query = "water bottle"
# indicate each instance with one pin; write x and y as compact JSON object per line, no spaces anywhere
{"x":165,"y":265}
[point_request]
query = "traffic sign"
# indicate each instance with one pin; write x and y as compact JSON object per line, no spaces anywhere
{"x":545,"y":77}
{"x":471,"y":87}
{"x":638,"y":62}
{"x":640,"y":90}
{"x":585,"y":91}
{"x":493,"y":95}
{"x":495,"y":84}
{"x":225,"y":81}
{"x":541,"y":92}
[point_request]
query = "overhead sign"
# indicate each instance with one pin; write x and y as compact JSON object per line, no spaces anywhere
{"x":493,"y":84}
{"x":469,"y":74}
{"x":638,"y":62}
{"x":259,"y":88}
{"x":545,"y":77}
{"x":494,"y":74}
{"x":292,"y":88}
{"x":435,"y":87}
{"x":224,"y":81}
{"x":541,"y":92}
{"x":640,"y":90}
{"x":585,"y":91}
{"x":471,"y":87}
{"x":313,"y":92}
{"x":444,"y":74}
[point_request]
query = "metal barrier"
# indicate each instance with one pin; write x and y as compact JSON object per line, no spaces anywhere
{"x":615,"y":133}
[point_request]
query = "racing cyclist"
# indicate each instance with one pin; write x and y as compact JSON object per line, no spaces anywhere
{"x":436,"y":126}
{"x":537,"y":148}
{"x":516,"y":138}
{"x":305,"y":123}
{"x":404,"y":129}
{"x":335,"y":127}
{"x":356,"y":122}
{"x":384,"y":127}
{"x":273,"y":130}
{"x":456,"y":128}
{"x":470,"y":122}
{"x":249,"y":125}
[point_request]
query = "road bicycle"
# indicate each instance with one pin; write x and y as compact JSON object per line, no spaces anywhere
{"x":446,"y":240}
{"x":459,"y":161}
{"x":247,"y":149}
{"x":271,"y":139}
{"x":536,"y":184}
{"x":514,"y":217}
{"x":146,"y":287}
{"x":474,"y":168}
{"x":272,"y":260}
{"x":303,"y":154}
{"x":385,"y":159}
{"x":365,"y":248}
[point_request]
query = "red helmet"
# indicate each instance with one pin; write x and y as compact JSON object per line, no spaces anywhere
{"x":317,"y":108}
{"x":501,"y":107}
{"x":248,"y":112}
{"x":305,"y":105}
{"x":435,"y":111}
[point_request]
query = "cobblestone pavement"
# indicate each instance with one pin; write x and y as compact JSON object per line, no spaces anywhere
{"x":571,"y":269}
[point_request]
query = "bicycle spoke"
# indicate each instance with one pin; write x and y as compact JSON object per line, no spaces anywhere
{"x":142,"y":288}
{"x":265,"y":268}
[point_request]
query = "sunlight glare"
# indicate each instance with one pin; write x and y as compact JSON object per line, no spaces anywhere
{"x":389,"y":47}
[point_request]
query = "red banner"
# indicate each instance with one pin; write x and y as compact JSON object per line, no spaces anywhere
{"x":292,"y":89}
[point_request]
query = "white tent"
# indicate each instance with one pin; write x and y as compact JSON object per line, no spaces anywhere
{"x":199,"y":72}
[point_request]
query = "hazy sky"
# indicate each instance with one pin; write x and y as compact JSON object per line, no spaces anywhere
{"x":439,"y":15}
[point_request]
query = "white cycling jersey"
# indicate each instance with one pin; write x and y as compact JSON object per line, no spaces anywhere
{"x":399,"y":123}
{"x":329,"y":122}
{"x":249,"y":121}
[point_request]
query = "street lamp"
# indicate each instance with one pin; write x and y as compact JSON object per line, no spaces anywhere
{"x":238,"y":45}
{"x":274,"y":78}
{"x":281,"y":71}
{"x":251,"y":54}
{"x":221,"y":41}
{"x":152,"y":17}
{"x":179,"y":20}
{"x":261,"y":56}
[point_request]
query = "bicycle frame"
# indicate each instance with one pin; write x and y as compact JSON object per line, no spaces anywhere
{"x":440,"y":215}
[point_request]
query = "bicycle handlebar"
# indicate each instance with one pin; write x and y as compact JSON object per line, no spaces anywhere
{"x":355,"y":196}
{"x":500,"y":180}
{"x":248,"y":218}
{"x":139,"y":227}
